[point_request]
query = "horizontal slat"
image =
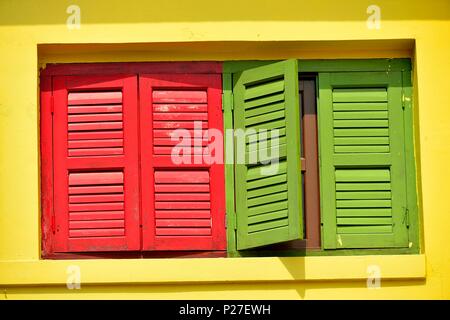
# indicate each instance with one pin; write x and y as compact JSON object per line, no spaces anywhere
{"x":364,"y":229}
{"x":270,"y":180}
{"x":264,"y":101}
{"x":259,"y":172}
{"x":182,"y":176}
{"x":96,"y":215}
{"x":366,"y":212}
{"x":266,"y":191}
{"x":95,"y":152}
{"x":182,"y":187}
{"x":168,"y":133}
{"x":263,"y":155}
{"x":279,"y":124}
{"x":362,"y":132}
{"x":267,"y":199}
{"x":85,"y":233}
{"x":263,"y":110}
{"x":361,"y":149}
{"x":360,"y":123}
{"x":264,"y":89}
{"x":99,"y":117}
{"x":179,"y":96}
{"x":182,"y":197}
{"x":183,"y":231}
{"x":268,"y":216}
{"x":363,"y":186}
{"x":264,"y":118}
{"x":355,"y":106}
{"x":364,"y":221}
{"x":85,"y":126}
{"x":182,"y":214}
{"x":255,"y":137}
{"x":180,"y":107}
{"x":179,"y":150}
{"x":108,"y":108}
{"x":117,"y":134}
{"x":180,"y":124}
{"x":363,"y":203}
{"x":88,"y":178}
{"x":264,"y":142}
{"x":363,"y":195}
{"x":96,"y":224}
{"x":182,"y":205}
{"x":183,"y":222}
{"x":360,"y":115}
{"x":276,"y":206}
{"x":180,"y":142}
{"x":361,"y":141}
{"x":101,"y":143}
{"x":96,"y":189}
{"x":104,"y":206}
{"x":267,"y":225}
{"x":172,"y":116}
{"x":363,"y":175}
{"x":77,"y":98}
{"x":96,"y":198}
{"x":360,"y":95}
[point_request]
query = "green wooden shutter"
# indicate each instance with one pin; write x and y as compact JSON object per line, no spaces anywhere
{"x":268,"y":206}
{"x":362,"y":160}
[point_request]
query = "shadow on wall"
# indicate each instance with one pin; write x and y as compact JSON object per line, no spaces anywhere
{"x":257,"y":290}
{"x":22,"y":12}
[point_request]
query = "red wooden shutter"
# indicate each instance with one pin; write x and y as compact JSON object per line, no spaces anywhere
{"x":95,"y":163}
{"x":183,"y":205}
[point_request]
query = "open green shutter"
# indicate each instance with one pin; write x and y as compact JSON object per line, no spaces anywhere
{"x":362,"y":160}
{"x":268,"y":201}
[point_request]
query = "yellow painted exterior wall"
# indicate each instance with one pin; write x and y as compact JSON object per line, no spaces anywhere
{"x":33,"y":33}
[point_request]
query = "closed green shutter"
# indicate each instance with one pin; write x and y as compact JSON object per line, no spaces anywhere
{"x":362,"y":160}
{"x":268,"y":201}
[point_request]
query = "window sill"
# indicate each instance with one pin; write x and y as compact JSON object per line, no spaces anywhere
{"x":141,"y":271}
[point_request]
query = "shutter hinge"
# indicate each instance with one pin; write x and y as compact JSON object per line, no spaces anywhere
{"x":52,"y":105}
{"x":406,"y":216}
{"x":232,"y":101}
{"x":405,"y":99}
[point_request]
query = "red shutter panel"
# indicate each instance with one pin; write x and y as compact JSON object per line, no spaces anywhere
{"x":183,"y":205}
{"x":95,"y":164}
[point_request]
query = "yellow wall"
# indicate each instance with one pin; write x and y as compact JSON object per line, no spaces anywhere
{"x":30,"y":36}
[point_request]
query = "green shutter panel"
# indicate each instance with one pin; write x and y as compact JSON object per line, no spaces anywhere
{"x":362,"y":160}
{"x":268,"y":201}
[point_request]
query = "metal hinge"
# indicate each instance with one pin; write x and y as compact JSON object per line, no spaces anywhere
{"x":232,"y":101}
{"x":406,"y":216}
{"x":405,"y":99}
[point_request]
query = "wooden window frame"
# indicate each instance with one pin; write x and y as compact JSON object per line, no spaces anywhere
{"x":47,"y":153}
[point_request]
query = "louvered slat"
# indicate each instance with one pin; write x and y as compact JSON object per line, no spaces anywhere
{"x":182,"y":203}
{"x":367,"y":210}
{"x":179,"y":109}
{"x":95,"y":123}
{"x":96,"y":204}
{"x":361,"y":122}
